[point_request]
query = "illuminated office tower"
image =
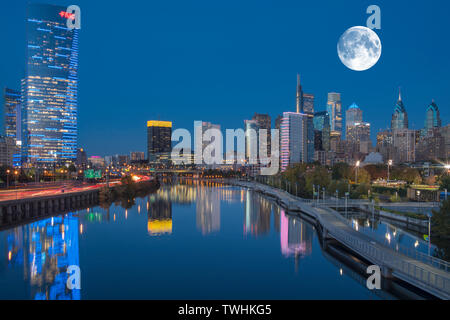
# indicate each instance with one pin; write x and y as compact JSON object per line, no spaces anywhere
{"x":308,"y":103}
{"x":305,"y":101}
{"x":49,"y":90}
{"x":334,"y":108}
{"x":297,"y":139}
{"x":321,"y":123}
{"x":353,"y":115}
{"x":159,"y":143}
{"x":251,"y":141}
{"x":12,"y":115}
{"x":264,"y":122}
{"x":432,"y":117}
{"x":399,"y":117}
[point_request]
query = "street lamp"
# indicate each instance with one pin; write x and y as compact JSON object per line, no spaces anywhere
{"x":7,"y":178}
{"x":356,"y":171}
{"x":389,"y":165}
{"x":16,"y":173}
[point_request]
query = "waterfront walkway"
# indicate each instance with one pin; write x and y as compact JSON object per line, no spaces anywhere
{"x":422,"y":271}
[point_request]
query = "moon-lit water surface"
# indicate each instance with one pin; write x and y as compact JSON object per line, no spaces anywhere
{"x":359,"y":48}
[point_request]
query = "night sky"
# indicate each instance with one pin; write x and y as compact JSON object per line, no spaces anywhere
{"x":222,"y":61}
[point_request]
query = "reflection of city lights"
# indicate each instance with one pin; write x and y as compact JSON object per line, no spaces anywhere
{"x":341,"y":271}
{"x":416,"y":244}
{"x":388,"y":237}
{"x":9,"y":256}
{"x":81,"y":228}
{"x":126,"y":214}
{"x":114,"y":217}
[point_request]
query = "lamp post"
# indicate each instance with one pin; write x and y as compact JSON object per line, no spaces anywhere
{"x":337,"y":199}
{"x":16,"y":173}
{"x":356,"y":171}
{"x":429,"y":234}
{"x":7,"y":178}
{"x":389,"y":165}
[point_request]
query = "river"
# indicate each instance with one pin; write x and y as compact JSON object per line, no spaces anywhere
{"x":187,"y":241}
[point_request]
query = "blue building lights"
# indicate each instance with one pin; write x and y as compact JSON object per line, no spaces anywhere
{"x":50,"y":87}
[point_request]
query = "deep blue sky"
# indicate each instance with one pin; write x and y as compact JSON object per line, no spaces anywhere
{"x":221,"y":61}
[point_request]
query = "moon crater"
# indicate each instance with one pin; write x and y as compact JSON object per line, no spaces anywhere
{"x":359,"y":48}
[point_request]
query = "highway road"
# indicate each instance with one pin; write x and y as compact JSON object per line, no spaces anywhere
{"x":54,"y":189}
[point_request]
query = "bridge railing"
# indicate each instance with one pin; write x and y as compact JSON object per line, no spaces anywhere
{"x":376,"y":253}
{"x":385,"y":258}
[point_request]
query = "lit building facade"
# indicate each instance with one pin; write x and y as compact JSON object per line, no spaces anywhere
{"x":353,"y":115}
{"x":400,"y":116}
{"x":358,"y":137}
{"x":12,"y":99}
{"x":321,"y":122}
{"x":50,"y":87}
{"x":264,"y":122}
{"x":304,"y":101}
{"x":251,"y":141}
{"x":432,"y":117}
{"x":297,"y":139}
{"x":159,"y":142}
{"x":334,"y":108}
{"x":137,"y":156}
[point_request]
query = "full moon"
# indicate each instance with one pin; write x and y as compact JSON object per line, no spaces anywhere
{"x":359,"y":48}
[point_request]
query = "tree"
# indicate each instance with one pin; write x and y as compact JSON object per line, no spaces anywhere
{"x":342,"y":186}
{"x":363,"y":175}
{"x":376,"y":171}
{"x":445,"y":182}
{"x":440,"y":221}
{"x":341,"y":171}
{"x":319,"y":176}
{"x":361,"y":191}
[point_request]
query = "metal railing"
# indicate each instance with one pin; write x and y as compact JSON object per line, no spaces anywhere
{"x":385,"y":256}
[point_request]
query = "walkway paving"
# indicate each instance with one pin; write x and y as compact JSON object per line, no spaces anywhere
{"x":423,"y":275}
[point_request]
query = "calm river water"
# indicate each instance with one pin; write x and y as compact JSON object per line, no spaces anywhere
{"x":184,"y":242}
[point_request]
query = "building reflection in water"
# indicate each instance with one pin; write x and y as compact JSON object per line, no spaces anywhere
{"x":208,"y":210}
{"x":159,"y":216}
{"x":257,"y":214}
{"x":295,"y":237}
{"x":44,"y":250}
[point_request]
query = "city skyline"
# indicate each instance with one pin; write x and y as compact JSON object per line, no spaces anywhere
{"x":182,"y":93}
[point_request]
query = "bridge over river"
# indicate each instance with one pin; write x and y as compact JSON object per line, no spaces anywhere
{"x":427,"y":273}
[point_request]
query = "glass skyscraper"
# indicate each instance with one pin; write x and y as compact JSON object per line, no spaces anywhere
{"x":321,"y":123}
{"x":159,"y":142}
{"x":334,"y":108}
{"x":49,"y":90}
{"x":399,"y":117}
{"x":432,"y":117}
{"x":297,"y":139}
{"x":12,"y":115}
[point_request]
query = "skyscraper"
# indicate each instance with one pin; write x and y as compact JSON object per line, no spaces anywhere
{"x":432,"y":117}
{"x":264,"y":122}
{"x":297,"y":139}
{"x":358,"y":137}
{"x":334,"y":108}
{"x":399,"y":117}
{"x":159,"y":140}
{"x":50,"y":87}
{"x":305,"y":101}
{"x":321,"y":123}
{"x":251,"y":141}
{"x":12,"y":115}
{"x":308,"y":103}
{"x":299,"y":100}
{"x":353,"y":115}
